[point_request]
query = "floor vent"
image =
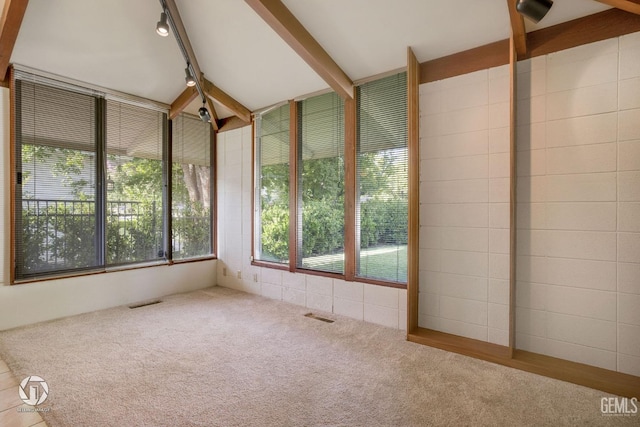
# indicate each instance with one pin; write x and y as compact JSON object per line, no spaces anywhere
{"x":144,"y":304}
{"x":313,"y":316}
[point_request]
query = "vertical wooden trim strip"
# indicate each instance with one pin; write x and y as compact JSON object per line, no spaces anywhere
{"x":12,"y":177}
{"x":167,"y":164}
{"x":518,"y":32}
{"x":214,"y":190}
{"x":293,"y":185}
{"x":513,"y":71}
{"x":350,"y":123}
{"x":254,"y":188}
{"x":413,"y":128}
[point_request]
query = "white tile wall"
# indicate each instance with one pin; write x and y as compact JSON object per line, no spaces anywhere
{"x":578,"y":212}
{"x":593,"y":129}
{"x":628,"y":245}
{"x":578,"y":264}
{"x":376,"y":304}
{"x":464,"y":235}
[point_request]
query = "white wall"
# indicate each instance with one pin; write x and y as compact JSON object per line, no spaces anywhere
{"x":464,"y":205}
{"x":35,"y":302}
{"x":578,"y":265}
{"x":376,"y":304}
{"x":578,"y":207}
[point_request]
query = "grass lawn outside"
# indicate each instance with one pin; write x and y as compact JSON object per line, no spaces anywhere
{"x":380,"y":262}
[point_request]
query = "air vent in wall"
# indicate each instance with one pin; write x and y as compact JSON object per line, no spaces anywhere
{"x":313,"y":316}
{"x":144,"y":304}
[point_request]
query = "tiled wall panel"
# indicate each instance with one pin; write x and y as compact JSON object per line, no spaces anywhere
{"x":578,"y":210}
{"x":578,"y":205}
{"x":464,"y":209}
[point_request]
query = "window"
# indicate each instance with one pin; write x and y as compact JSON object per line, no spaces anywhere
{"x":382,"y":179}
{"x":91,"y":181}
{"x":378,"y":197}
{"x":55,"y":196}
{"x":272,"y":186}
{"x":191,"y":188}
{"x":134,"y":168}
{"x":321,"y":183}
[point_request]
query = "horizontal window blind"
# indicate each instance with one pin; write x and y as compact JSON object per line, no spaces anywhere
{"x":271,"y":241}
{"x":55,"y":222}
{"x":134,"y":171}
{"x":382,"y":178}
{"x":191,"y":188}
{"x":321,"y":183}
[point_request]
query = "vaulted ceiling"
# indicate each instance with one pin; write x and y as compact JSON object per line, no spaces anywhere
{"x":113,"y":43}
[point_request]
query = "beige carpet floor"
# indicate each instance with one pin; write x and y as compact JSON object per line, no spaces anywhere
{"x":218,"y":357}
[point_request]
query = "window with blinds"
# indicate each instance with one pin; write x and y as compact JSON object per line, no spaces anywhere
{"x":191,"y":188}
{"x":55,"y":164}
{"x":321,"y":183}
{"x":382,"y":179}
{"x":271,"y":234}
{"x":134,"y":184}
{"x":91,"y":180}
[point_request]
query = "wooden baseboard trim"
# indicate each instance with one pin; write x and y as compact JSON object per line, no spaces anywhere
{"x":577,"y":373}
{"x":461,"y":345}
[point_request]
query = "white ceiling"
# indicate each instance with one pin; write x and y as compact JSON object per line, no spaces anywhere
{"x":113,"y":43}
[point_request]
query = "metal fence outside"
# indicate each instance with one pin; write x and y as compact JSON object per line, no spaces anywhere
{"x":61,"y":234}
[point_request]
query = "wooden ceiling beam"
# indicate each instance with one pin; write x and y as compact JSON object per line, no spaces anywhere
{"x":12,"y":15}
{"x":517,"y":28}
{"x":182,"y":33}
{"x":226,"y":101}
{"x":287,"y":26}
{"x":626,"y":5}
{"x":231,"y":123}
{"x":182,"y":101}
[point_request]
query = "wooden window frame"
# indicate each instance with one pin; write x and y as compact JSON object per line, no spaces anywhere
{"x":350,"y":162}
{"x":101,"y":179}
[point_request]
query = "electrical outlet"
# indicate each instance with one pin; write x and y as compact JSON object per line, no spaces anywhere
{"x":255,"y":277}
{"x":224,"y":271}
{"x":239,"y":274}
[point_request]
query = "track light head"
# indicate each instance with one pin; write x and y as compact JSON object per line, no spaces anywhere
{"x":189,"y":79}
{"x":204,"y":113}
{"x":162,"y":28}
{"x":534,"y":9}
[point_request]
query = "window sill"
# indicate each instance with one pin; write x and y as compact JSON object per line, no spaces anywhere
{"x":194,"y":259}
{"x":368,"y":281}
{"x":111,"y":269}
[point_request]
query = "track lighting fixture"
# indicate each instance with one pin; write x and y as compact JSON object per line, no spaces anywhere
{"x":534,"y":9}
{"x":192,"y":71}
{"x":162,"y":28}
{"x":204,"y":113}
{"x":189,"y":79}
